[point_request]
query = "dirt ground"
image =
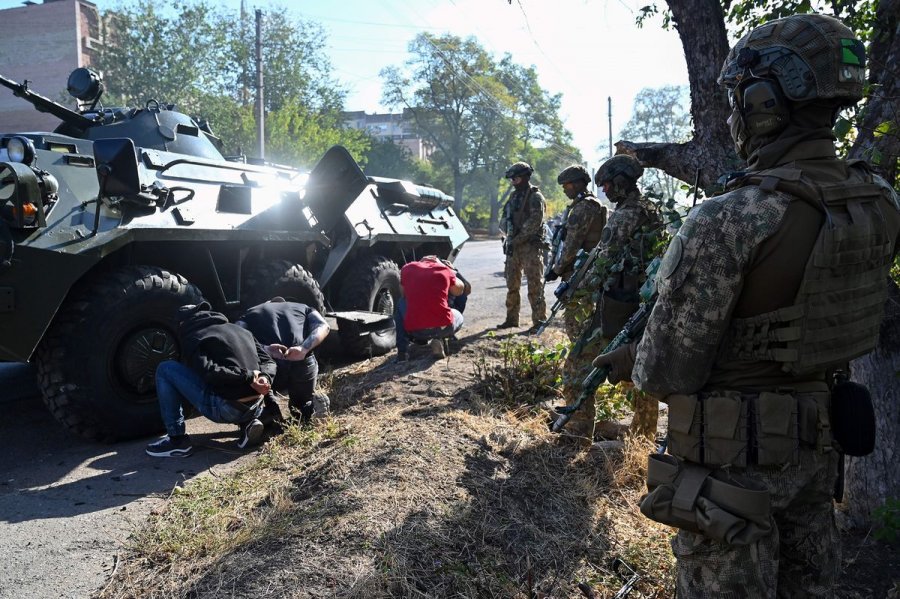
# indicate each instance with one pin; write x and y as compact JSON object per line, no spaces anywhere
{"x":426,"y":489}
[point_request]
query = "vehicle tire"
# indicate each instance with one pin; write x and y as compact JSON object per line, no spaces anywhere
{"x":373,"y":283}
{"x":97,"y":362}
{"x":281,"y":277}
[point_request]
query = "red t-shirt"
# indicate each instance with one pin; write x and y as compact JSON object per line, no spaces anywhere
{"x":425,"y":286}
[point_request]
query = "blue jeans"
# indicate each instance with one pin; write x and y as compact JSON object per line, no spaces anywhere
{"x":403,"y":335}
{"x":177,"y":384}
{"x":458,"y":302}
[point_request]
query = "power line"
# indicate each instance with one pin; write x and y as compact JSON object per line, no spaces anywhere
{"x":554,"y":149}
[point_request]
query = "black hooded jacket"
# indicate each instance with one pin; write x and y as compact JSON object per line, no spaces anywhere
{"x":224,"y":354}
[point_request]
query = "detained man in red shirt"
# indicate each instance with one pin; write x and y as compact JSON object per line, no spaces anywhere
{"x":424,"y":312}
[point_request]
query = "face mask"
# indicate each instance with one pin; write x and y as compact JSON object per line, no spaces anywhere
{"x":738,"y":133}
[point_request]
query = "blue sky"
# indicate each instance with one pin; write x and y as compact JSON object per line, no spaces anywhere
{"x":587,"y":50}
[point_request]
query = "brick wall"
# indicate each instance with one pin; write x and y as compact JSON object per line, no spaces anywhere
{"x":43,"y":43}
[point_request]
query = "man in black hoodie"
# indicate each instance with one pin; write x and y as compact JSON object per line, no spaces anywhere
{"x":224,"y":373}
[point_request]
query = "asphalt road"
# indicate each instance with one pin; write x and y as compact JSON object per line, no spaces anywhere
{"x":68,"y":505}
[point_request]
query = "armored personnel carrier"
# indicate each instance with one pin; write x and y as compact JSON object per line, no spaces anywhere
{"x":120,"y":215}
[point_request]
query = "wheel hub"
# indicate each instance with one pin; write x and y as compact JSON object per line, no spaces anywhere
{"x":139,"y":355}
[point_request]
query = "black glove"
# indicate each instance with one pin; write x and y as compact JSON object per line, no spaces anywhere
{"x":552,"y":275}
{"x":620,"y":362}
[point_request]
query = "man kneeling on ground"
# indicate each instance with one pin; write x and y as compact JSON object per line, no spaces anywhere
{"x":424,"y":313}
{"x":289,"y":332}
{"x":224,"y":373}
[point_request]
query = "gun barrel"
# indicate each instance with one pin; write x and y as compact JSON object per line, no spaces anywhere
{"x":596,"y":378}
{"x":44,"y":104}
{"x":560,"y":422}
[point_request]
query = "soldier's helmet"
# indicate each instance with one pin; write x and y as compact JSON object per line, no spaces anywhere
{"x":812,"y":57}
{"x":519,"y":169}
{"x":622,"y":170}
{"x":576,"y":172}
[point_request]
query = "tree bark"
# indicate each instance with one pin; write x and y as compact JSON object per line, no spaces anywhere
{"x":701,"y":27}
{"x":496,"y":202}
{"x":872,"y":479}
{"x":883,"y":105}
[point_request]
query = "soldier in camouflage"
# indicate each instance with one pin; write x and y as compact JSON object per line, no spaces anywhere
{"x":524,"y":244}
{"x":585,"y":222}
{"x":765,"y":291}
{"x":626,"y":242}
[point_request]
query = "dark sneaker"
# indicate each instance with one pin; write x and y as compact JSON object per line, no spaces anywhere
{"x":402,"y":357}
{"x":171,"y":447}
{"x":437,"y":348}
{"x":507,"y":325}
{"x":271,"y":411}
{"x":252,"y":434}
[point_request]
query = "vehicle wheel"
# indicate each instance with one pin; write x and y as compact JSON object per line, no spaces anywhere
{"x":281,"y":277}
{"x":97,"y":363}
{"x":372,"y":284}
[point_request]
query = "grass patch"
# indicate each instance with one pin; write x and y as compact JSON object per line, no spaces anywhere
{"x":424,"y":485}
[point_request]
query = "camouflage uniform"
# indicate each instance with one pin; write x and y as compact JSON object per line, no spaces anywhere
{"x":626,"y":241}
{"x":760,"y":294}
{"x":524,"y":215}
{"x":587,"y":217}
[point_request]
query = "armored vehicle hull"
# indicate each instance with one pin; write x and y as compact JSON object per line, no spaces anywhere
{"x":111,"y":222}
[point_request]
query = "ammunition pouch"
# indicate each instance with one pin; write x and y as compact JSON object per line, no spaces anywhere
{"x":727,"y":428}
{"x":728,"y":508}
{"x":853,"y":418}
{"x":615,"y":312}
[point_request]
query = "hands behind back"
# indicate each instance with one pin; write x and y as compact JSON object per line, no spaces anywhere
{"x":261,"y":383}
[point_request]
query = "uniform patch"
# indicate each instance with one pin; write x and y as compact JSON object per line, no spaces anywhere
{"x":606,"y":235}
{"x":672,"y":258}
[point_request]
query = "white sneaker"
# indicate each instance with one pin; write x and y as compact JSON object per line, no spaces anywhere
{"x":437,"y":348}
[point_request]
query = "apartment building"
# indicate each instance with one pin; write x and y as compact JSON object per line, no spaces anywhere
{"x":43,"y":43}
{"x":396,"y":127}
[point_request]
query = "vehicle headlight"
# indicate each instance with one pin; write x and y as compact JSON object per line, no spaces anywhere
{"x":20,"y":149}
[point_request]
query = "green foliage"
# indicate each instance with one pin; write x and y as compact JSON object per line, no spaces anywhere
{"x":747,"y":14}
{"x":612,"y":402}
{"x":527,"y":373}
{"x":842,"y":127}
{"x":887,"y":521}
{"x":388,"y":159}
{"x":318,"y":130}
{"x":152,"y":50}
{"x":480,"y":114}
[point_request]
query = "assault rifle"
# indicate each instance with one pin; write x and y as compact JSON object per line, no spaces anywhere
{"x":556,"y":243}
{"x":584,"y":262}
{"x":632,"y":331}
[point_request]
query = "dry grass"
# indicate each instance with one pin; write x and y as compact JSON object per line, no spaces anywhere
{"x":421,"y":486}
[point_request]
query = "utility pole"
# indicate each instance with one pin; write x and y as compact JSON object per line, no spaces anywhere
{"x":260,"y":104}
{"x":609,"y":104}
{"x":245,"y":76}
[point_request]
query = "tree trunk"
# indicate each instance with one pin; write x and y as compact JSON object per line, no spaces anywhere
{"x":459,"y":185}
{"x":872,"y":479}
{"x":701,"y":26}
{"x":494,"y":226}
{"x":882,"y":105}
